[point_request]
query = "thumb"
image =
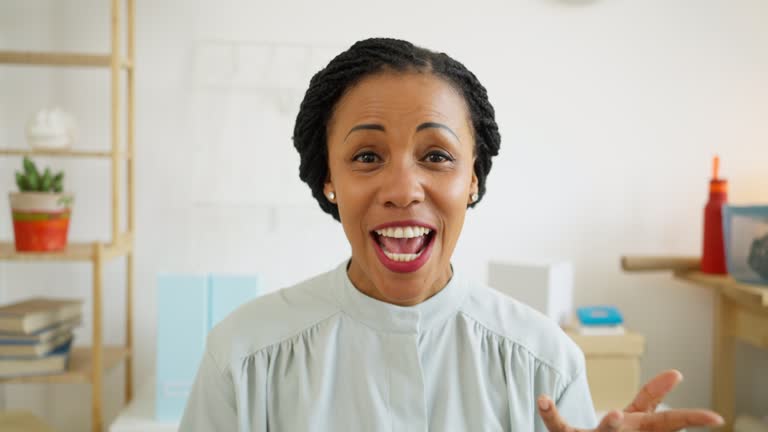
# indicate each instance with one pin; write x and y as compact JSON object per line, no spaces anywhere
{"x":611,"y":422}
{"x":551,"y":417}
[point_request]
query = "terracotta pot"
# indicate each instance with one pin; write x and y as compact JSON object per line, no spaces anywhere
{"x":40,"y":220}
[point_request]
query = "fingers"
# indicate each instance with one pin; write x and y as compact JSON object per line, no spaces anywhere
{"x":654,"y":391}
{"x":551,"y":417}
{"x":672,"y":420}
{"x":611,"y":422}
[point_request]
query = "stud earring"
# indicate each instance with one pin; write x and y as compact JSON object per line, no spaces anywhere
{"x":331,"y":196}
{"x":475,"y":197}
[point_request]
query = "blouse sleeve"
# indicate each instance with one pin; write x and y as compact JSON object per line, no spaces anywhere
{"x":575,"y":404}
{"x":211,"y":406}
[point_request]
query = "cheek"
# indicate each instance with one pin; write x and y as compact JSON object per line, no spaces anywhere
{"x":353,"y":202}
{"x":452,"y":193}
{"x":451,"y":198}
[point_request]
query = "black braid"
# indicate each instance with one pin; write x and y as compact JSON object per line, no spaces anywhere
{"x":368,"y":57}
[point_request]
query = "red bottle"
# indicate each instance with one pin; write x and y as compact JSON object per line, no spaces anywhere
{"x":713,"y":258}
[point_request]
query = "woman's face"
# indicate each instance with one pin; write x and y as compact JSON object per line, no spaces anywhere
{"x":401,"y":158}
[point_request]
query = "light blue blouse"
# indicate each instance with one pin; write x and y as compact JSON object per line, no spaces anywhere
{"x":322,"y":356}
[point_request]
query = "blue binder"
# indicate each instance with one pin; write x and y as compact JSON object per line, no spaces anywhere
{"x":182,"y":324}
{"x":228,"y":292}
{"x":188,"y":307}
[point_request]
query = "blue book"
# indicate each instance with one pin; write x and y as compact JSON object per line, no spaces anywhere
{"x":33,"y":350}
{"x":599,"y":316}
{"x":54,"y":362}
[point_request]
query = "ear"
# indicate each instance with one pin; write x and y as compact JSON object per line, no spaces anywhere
{"x":328,"y":185}
{"x":474,"y":186}
{"x":328,"y":188}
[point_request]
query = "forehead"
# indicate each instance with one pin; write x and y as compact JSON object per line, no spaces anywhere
{"x":401,"y":97}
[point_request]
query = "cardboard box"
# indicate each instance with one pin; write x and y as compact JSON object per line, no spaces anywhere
{"x":613,"y":367}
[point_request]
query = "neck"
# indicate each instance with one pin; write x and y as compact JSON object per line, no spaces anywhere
{"x":363,"y":283}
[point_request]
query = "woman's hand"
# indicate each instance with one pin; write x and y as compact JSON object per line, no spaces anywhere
{"x":640,"y":415}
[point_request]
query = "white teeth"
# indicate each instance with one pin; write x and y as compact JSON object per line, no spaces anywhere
{"x":402,"y":257}
{"x":403,"y":232}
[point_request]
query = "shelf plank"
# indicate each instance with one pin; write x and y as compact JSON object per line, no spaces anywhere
{"x":33,"y":58}
{"x":62,"y":153}
{"x":79,"y":370}
{"x":73,"y":252}
{"x":755,"y":294}
{"x":22,"y":420}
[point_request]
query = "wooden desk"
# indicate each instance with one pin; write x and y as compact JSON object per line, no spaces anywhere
{"x":741,"y":313}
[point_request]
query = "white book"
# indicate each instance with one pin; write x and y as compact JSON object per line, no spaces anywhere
{"x":33,"y":315}
{"x":52,"y":363}
{"x":41,"y":336}
{"x":600,"y":330}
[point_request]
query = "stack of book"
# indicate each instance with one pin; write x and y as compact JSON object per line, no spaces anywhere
{"x":36,"y":336}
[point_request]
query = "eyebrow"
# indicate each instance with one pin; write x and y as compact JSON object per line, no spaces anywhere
{"x":426,"y":125}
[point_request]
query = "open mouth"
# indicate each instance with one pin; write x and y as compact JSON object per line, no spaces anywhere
{"x":403,"y":244}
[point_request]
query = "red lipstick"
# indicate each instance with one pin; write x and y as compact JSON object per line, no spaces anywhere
{"x":400,"y":266}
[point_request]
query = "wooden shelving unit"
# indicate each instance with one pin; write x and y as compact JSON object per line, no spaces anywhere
{"x":754,"y":295}
{"x":80,"y":369}
{"x":88,"y":365}
{"x":61,"y":59}
{"x":73,"y":252}
{"x":63,"y":153}
{"x":740,"y":314}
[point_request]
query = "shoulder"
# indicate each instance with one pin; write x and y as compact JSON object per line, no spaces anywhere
{"x":526,"y":328}
{"x":272,"y":318}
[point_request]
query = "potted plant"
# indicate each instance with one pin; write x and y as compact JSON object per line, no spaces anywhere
{"x":40,"y":210}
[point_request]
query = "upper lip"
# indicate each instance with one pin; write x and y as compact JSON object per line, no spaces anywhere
{"x":405,"y":223}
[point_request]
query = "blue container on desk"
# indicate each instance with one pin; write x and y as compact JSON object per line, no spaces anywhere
{"x":745,"y":237}
{"x":188,"y":307}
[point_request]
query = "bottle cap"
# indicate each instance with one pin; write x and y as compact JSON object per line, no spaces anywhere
{"x":716,"y":184}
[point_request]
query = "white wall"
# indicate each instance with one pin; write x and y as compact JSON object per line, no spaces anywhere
{"x":610,"y":111}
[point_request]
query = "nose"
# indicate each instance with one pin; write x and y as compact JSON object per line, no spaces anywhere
{"x":402,"y":185}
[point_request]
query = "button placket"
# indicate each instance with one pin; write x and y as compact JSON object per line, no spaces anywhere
{"x":406,"y":384}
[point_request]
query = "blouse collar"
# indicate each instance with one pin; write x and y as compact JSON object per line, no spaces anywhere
{"x":387,"y":317}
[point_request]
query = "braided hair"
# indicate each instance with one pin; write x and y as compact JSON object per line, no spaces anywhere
{"x":368,"y":57}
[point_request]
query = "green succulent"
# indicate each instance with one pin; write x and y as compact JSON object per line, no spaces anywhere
{"x":30,"y":180}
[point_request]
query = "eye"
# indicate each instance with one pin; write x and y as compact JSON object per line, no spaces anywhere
{"x":438,"y":157}
{"x":367,"y":157}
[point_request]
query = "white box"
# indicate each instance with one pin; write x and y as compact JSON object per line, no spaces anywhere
{"x":546,"y":287}
{"x":139,"y":414}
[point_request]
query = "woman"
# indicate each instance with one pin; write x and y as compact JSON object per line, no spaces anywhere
{"x":396,"y":143}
